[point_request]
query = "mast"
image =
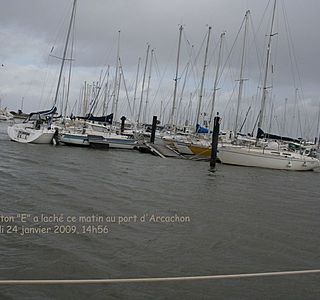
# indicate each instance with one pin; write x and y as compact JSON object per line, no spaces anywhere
{"x":117,"y":100}
{"x":97,"y":91}
{"x":62,"y":98}
{"x":176,"y":80}
{"x":181,"y":95}
{"x":245,"y":119}
{"x":69,"y":76}
{"x":84,"y":95}
{"x":136,"y":87}
{"x":125,"y":88}
{"x":115,"y":88}
{"x":104,"y":99}
{"x":106,"y":86}
{"x":284,"y":117}
{"x":160,"y":115}
{"x":271,"y":117}
{"x":318,"y":129}
{"x":241,"y":79}
{"x":80,"y":100}
{"x":65,"y":51}
{"x":143,"y":81}
{"x":188,"y":117}
{"x":264,"y":93}
{"x":299,"y":125}
{"x":215,"y":85}
{"x":203,"y":75}
{"x":108,"y":98}
{"x":148,"y":88}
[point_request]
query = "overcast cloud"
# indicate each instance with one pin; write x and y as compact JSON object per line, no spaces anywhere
{"x":30,"y":28}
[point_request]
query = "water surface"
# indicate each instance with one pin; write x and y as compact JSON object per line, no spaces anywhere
{"x":243,"y":220}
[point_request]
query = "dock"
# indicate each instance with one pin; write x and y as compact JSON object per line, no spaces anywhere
{"x":161,"y":150}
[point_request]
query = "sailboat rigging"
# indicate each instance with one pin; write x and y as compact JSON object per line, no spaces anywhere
{"x":38,"y":126}
{"x":259,"y":155}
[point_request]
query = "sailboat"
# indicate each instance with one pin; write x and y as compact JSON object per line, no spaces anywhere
{"x":91,"y":132}
{"x":259,"y":155}
{"x":37,"y":128}
{"x":5,"y":115}
{"x":266,"y":158}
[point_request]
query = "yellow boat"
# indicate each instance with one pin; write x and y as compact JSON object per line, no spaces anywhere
{"x":200,"y":150}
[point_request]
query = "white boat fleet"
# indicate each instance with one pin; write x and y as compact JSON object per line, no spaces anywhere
{"x":247,"y":151}
{"x":244,"y":151}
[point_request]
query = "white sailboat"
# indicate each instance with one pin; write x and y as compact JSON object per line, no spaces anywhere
{"x":254,"y":156}
{"x":75,"y":139}
{"x":113,"y":140}
{"x":37,"y":127}
{"x":81,"y":136}
{"x":266,"y":158}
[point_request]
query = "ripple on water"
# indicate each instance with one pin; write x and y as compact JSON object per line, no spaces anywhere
{"x":242,"y":220}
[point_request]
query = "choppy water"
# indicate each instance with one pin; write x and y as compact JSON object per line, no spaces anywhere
{"x":243,"y":220}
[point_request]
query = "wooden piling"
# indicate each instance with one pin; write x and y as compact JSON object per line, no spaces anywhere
{"x":153,"y":129}
{"x":123,"y":119}
{"x":214,"y":144}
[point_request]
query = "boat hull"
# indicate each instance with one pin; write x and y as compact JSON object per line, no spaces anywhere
{"x":243,"y":156}
{"x":98,"y":142}
{"x":200,"y":150}
{"x":75,"y":139}
{"x":23,"y":133}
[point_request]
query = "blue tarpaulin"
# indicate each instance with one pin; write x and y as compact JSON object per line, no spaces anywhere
{"x":200,"y":129}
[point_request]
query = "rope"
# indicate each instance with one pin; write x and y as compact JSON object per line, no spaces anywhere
{"x":155,"y":279}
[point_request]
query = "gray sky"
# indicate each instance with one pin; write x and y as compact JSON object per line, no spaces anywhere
{"x":30,"y":28}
